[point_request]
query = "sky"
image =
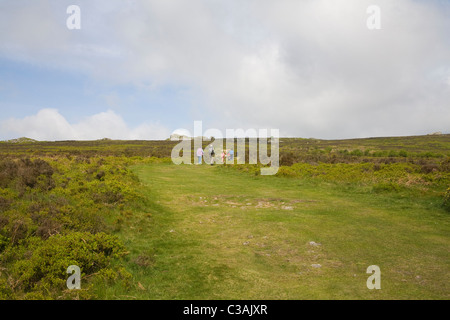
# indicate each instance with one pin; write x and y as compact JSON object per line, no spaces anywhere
{"x":145,"y":69}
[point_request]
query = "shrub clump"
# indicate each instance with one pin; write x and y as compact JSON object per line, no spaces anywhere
{"x":45,"y":270}
{"x":52,"y":215}
{"x":26,"y":173}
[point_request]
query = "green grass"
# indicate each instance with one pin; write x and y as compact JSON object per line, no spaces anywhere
{"x":201,"y":232}
{"x":210,"y":233}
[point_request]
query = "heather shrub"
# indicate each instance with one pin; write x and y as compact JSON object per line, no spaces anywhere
{"x":26,"y":173}
{"x":287,"y":159}
{"x":8,"y":172}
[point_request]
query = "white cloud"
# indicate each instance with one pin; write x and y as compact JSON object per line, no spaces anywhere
{"x":309,"y":68}
{"x":50,"y":125}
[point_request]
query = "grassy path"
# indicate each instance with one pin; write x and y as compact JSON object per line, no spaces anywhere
{"x":212,"y":233}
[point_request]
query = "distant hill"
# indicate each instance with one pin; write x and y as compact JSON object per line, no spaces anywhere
{"x":176,"y":137}
{"x":21,"y":140}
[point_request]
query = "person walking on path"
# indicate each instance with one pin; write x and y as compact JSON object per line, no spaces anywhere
{"x":224,"y":154}
{"x":212,"y":154}
{"x":200,"y":155}
{"x":230,"y":155}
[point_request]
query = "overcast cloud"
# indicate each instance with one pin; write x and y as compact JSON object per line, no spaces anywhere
{"x":49,"y":124}
{"x":309,"y":68}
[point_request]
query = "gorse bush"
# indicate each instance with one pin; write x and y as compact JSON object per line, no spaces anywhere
{"x":399,"y":174}
{"x":47,"y":264}
{"x":53,"y":214}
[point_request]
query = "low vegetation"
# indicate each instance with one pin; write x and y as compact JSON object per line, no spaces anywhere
{"x":122,"y":213}
{"x":60,"y":211}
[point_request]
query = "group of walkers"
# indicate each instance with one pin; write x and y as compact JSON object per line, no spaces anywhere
{"x":225,"y":154}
